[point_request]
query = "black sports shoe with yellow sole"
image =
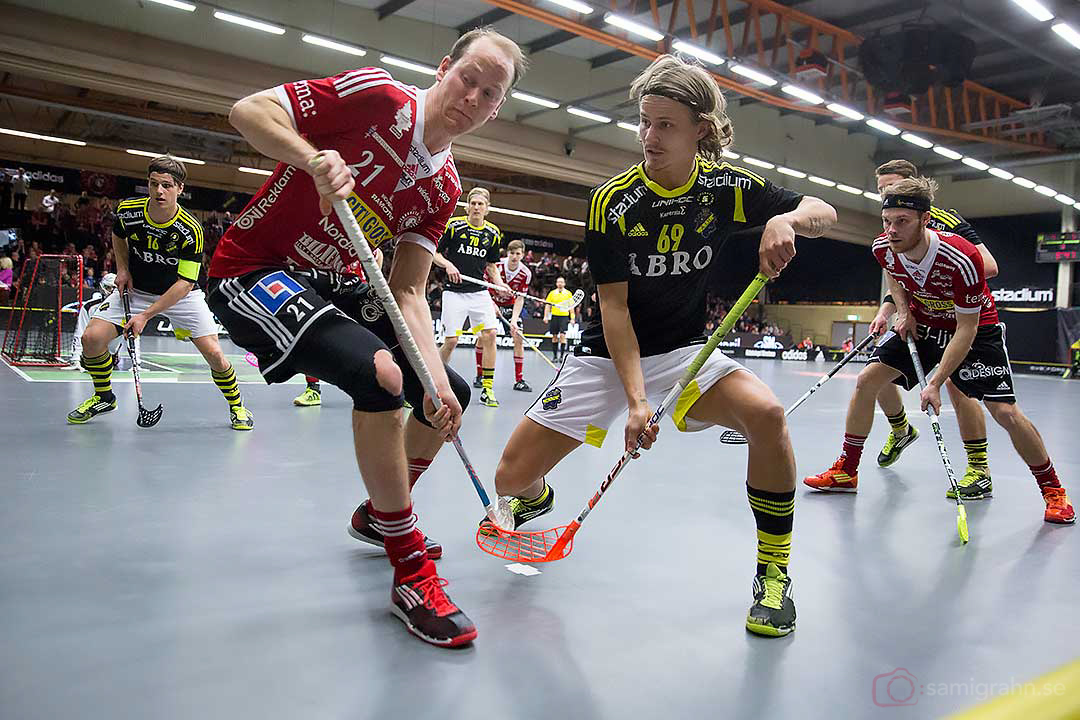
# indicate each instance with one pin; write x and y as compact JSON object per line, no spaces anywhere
{"x":526,"y":510}
{"x":894,"y":446}
{"x":89,"y":408}
{"x":773,"y":611}
{"x":975,"y":485}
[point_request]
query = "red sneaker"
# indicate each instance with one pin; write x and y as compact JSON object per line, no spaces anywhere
{"x":834,"y":479}
{"x":361,"y":528}
{"x":420,"y":603}
{"x":1058,"y":509}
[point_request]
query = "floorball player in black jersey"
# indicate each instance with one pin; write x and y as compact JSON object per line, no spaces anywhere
{"x":158,"y":247}
{"x":652,"y":236}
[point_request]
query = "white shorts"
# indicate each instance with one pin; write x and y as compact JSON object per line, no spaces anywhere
{"x":477,"y":306}
{"x":586,"y":395}
{"x":191,"y":317}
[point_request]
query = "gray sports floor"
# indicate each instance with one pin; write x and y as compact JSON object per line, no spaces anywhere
{"x":189,"y":571}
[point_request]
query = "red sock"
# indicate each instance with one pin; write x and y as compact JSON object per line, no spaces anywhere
{"x":518,"y":362}
{"x":311,"y":380}
{"x":852,"y":452}
{"x":404,"y":543}
{"x":479,"y":360}
{"x":1045,"y":475}
{"x":417,"y":466}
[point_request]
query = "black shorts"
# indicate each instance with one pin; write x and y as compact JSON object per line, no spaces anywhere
{"x":295,"y":322}
{"x":985,"y":374}
{"x":558,"y":324}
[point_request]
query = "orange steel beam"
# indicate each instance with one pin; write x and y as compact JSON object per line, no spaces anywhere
{"x":785,"y":18}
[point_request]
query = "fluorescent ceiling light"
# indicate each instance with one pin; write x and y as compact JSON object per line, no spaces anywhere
{"x":176,"y":4}
{"x":1003,"y":174}
{"x":917,"y":140}
{"x":790,"y":171}
{"x":1035,"y":9}
{"x":573,"y":5}
{"x":534,"y":99}
{"x":822,"y":181}
{"x":35,"y":136}
{"x":977,"y":164}
{"x":534,"y":216}
{"x":951,"y":154}
{"x":333,"y":45}
{"x":633,"y":27}
{"x":147,"y":153}
{"x":755,"y":75}
{"x":587,"y":114}
{"x":883,"y":127}
{"x":1047,"y":191}
{"x":1076,"y":205}
{"x":849,"y":189}
{"x":803,"y":94}
{"x":255,"y":171}
{"x":698,"y":52}
{"x":627,"y":126}
{"x":845,"y":111}
{"x":1064,"y":199}
{"x":248,"y":22}
{"x":1024,"y":183}
{"x":872,"y":196}
{"x":760,"y":163}
{"x":1067,"y":32}
{"x":409,"y":65}
{"x":730,"y":155}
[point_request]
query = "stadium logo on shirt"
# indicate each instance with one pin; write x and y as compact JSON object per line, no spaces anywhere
{"x":274,"y":290}
{"x":628,"y":200}
{"x":551,"y":398}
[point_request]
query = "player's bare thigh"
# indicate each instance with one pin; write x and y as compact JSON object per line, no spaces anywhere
{"x":532,"y":452}
{"x":740,"y":400}
{"x":97,"y":336}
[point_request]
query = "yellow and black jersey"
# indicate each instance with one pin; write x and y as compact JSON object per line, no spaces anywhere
{"x":470,"y":249}
{"x":951,"y":221}
{"x":663,"y":243}
{"x":159,"y":253}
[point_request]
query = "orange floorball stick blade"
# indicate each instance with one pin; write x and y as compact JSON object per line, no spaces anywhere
{"x":533,"y":547}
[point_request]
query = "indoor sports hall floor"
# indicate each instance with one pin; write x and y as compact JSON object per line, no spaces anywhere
{"x":189,"y":571}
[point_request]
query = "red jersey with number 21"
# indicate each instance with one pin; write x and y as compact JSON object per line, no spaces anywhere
{"x":402,"y":191}
{"x":948,"y":280}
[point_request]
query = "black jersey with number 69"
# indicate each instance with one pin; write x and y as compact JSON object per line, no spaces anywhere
{"x":663,"y":243}
{"x":159,"y":253}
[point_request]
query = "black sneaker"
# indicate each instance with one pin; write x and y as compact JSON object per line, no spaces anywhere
{"x":975,"y":485}
{"x":478,"y":382}
{"x":524,"y":511}
{"x":420,"y":602}
{"x":894,"y":445}
{"x":522,"y":386}
{"x":89,"y":408}
{"x":361,"y":528}
{"x":773,"y":611}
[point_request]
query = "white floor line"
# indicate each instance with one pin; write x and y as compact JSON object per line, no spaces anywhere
{"x":18,"y":372}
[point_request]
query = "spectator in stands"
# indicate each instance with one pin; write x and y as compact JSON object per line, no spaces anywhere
{"x":50,"y":201}
{"x":89,"y":281}
{"x":5,"y":191}
{"x":6,"y":278}
{"x":21,"y":186}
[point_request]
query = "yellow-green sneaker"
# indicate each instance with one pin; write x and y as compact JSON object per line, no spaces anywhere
{"x":309,"y":398}
{"x":773,"y":611}
{"x":89,"y":408}
{"x":242,"y":419}
{"x":975,"y":485}
{"x":894,"y":445}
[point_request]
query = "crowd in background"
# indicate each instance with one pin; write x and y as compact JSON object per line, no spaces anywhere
{"x":58,"y":223}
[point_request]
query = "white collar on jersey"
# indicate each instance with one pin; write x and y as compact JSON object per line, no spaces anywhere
{"x":430,"y":164}
{"x":920,"y":271}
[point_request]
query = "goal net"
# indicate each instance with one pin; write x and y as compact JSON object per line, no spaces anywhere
{"x":39,"y":329}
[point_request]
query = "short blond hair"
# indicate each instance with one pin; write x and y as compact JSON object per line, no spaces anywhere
{"x":6,"y":264}
{"x":480,"y":191}
{"x":903,"y":168}
{"x":511,"y":48}
{"x":920,"y":187}
{"x":692,"y":85}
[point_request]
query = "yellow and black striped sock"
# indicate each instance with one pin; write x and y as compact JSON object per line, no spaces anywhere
{"x":540,"y":499}
{"x":976,"y":453}
{"x":488,"y":378}
{"x":773,"y":513}
{"x":100,"y":369}
{"x":899,"y":423}
{"x":226,"y":382}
